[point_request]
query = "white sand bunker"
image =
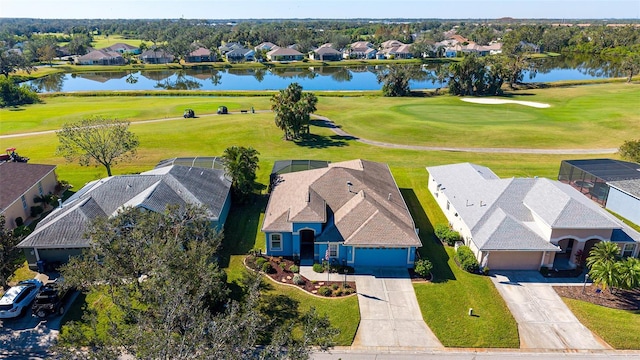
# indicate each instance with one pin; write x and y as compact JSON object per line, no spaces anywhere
{"x":504,"y":101}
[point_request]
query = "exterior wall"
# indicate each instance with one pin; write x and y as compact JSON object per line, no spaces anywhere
{"x":580,"y":234}
{"x":287,"y":245}
{"x":50,"y":256}
{"x":222,"y":219}
{"x":624,"y":205}
{"x":456,"y":222}
{"x":16,"y":209}
{"x":514,"y":260}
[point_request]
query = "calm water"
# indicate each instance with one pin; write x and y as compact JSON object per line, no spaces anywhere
{"x":318,"y":78}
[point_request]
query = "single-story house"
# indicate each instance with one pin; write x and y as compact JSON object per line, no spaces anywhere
{"x":101,"y":57}
{"x":240,"y":54}
{"x":123,"y":48}
{"x":391,"y":44}
{"x":225,"y":48}
{"x":325,"y":54}
{"x":523,"y":223}
{"x":201,"y":55}
{"x":360,"y":50}
{"x":400,"y":52}
{"x":284,"y":54}
{"x":21,"y":183}
{"x":266,"y":46}
{"x":614,"y":184}
{"x":62,"y":233}
{"x":156,"y":56}
{"x":350,"y":212}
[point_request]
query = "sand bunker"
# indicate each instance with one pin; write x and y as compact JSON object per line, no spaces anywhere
{"x":505,"y":101}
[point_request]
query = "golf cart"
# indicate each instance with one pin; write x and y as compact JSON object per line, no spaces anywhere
{"x":12,"y":156}
{"x":222,"y":110}
{"x":188,"y":113}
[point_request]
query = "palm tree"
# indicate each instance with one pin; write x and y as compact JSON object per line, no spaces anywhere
{"x":603,"y":252}
{"x":241,"y":164}
{"x":629,"y":270}
{"x":602,"y":263}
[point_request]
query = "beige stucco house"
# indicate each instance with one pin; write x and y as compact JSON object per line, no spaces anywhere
{"x":524,"y":223}
{"x":21,"y":183}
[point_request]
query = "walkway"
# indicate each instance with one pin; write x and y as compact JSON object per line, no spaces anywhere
{"x":544,"y":321}
{"x":326,"y":122}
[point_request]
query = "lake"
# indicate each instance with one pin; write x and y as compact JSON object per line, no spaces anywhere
{"x":310,"y":78}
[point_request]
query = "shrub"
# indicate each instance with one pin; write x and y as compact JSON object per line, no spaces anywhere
{"x":324,"y":291}
{"x":19,"y":221}
{"x":466,"y":260}
{"x":335,"y":286}
{"x":338,"y":292}
{"x":318,"y":268}
{"x":298,"y":280}
{"x":283,"y":265}
{"x":266,"y":268}
{"x":441,"y":230}
{"x":348,"y":291}
{"x":451,"y":237}
{"x":260,"y":261}
{"x":544,"y":271}
{"x":423,"y":268}
{"x":36,"y":210}
{"x":294,"y":268}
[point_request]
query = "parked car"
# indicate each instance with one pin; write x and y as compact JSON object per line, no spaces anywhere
{"x":50,"y":299}
{"x":18,"y":298}
{"x":222,"y":110}
{"x":188,"y":113}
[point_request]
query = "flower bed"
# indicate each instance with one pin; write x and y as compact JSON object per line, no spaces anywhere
{"x":279,"y":270}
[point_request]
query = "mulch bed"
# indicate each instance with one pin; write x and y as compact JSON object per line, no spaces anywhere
{"x":284,"y":276}
{"x":417,"y":278}
{"x":621,"y":299}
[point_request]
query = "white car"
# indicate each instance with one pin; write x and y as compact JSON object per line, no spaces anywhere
{"x":16,"y":300}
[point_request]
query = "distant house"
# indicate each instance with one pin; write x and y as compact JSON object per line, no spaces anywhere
{"x":21,"y":183}
{"x":239,"y":54}
{"x":156,"y":56}
{"x":284,"y":54}
{"x":101,"y":57}
{"x":201,"y":55}
{"x":360,"y":50}
{"x":325,"y":54}
{"x":611,"y":183}
{"x":391,"y":44}
{"x":123,"y":48}
{"x":350,"y":213}
{"x":61,"y":234}
{"x":523,"y":223}
{"x":225,"y":48}
{"x":265,"y":46}
{"x":400,"y":52}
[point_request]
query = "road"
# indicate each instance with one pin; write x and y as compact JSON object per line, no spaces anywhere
{"x":326,"y":122}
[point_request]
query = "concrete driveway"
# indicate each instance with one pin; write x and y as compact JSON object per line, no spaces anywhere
{"x":389,"y":313}
{"x":544,"y":321}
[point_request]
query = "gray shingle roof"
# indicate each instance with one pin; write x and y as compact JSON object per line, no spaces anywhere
{"x":631,"y":187}
{"x":370,"y":212}
{"x":152,"y":190}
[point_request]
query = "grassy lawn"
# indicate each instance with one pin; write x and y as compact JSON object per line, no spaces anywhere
{"x":619,"y":328}
{"x":101,"y":41}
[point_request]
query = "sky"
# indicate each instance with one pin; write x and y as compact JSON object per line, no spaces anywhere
{"x":320,"y":9}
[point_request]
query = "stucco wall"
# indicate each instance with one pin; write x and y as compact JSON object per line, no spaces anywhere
{"x":16,"y":209}
{"x":287,"y":245}
{"x":624,"y":205}
{"x":580,"y":234}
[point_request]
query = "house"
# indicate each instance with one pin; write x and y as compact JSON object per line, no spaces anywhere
{"x":349,"y":213}
{"x":523,"y":223}
{"x":60,"y":235}
{"x":239,"y":54}
{"x":391,"y":44}
{"x":265,"y":46}
{"x":400,"y":52}
{"x":101,"y":57}
{"x":325,"y":54}
{"x":360,"y":50}
{"x":123,"y":48}
{"x":284,"y":54}
{"x":156,"y":56}
{"x":200,"y":55}
{"x":613,"y":184}
{"x":21,"y":183}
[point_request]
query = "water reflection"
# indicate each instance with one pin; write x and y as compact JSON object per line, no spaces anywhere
{"x":361,"y":77}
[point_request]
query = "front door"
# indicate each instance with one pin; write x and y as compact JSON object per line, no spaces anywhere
{"x":307,"y":238}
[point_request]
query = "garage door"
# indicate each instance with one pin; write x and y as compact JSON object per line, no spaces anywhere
{"x":377,"y":257}
{"x":515,"y":260}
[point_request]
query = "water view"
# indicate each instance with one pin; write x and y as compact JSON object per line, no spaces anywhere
{"x":311,"y":78}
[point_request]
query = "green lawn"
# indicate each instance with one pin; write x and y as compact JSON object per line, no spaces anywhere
{"x":101,"y":41}
{"x":619,"y":328}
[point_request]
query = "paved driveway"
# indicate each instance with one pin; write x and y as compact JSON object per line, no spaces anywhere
{"x":544,"y":321}
{"x":389,"y":313}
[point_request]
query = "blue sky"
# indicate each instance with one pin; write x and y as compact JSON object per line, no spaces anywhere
{"x":334,"y":9}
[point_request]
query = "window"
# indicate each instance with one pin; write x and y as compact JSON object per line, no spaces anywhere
{"x":628,"y":250}
{"x":40,"y":188}
{"x":333,"y":250}
{"x":448,"y":204}
{"x":24,"y":202}
{"x":276,"y":242}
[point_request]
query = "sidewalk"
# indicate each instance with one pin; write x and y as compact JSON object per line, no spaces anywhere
{"x":307,"y":271}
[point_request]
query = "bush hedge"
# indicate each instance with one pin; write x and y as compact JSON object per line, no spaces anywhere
{"x":318,"y":268}
{"x":298,"y":280}
{"x":266,"y":268}
{"x":466,"y":260}
{"x":294,"y":268}
{"x":325,"y":291}
{"x":446,"y":234}
{"x":423,"y":268}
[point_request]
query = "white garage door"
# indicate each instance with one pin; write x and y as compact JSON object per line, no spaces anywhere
{"x":515,"y":260}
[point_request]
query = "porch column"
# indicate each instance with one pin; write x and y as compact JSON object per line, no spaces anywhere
{"x":35,"y":252}
{"x":544,"y":256}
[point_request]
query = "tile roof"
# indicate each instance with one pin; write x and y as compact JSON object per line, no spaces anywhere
{"x":501,"y":213}
{"x":152,"y":190}
{"x":284,"y":52}
{"x":371,"y":211}
{"x":16,"y":178}
{"x":200,"y":52}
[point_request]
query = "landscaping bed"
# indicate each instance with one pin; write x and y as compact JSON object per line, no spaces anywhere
{"x":621,"y":299}
{"x":283,"y":271}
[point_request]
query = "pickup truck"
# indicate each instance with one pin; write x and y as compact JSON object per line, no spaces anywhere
{"x":50,"y":300}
